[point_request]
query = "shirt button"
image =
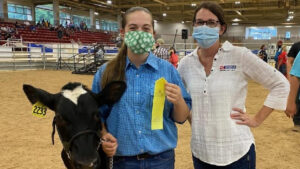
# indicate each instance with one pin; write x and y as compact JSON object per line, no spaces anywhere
{"x":140,"y":132}
{"x":137,"y":111}
{"x":137,"y":75}
{"x":215,"y":59}
{"x":212,"y":70}
{"x":137,"y":93}
{"x":204,"y":91}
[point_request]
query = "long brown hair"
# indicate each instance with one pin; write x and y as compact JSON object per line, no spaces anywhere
{"x":115,"y":69}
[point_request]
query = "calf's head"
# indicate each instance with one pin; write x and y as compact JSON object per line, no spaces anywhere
{"x":76,"y":117}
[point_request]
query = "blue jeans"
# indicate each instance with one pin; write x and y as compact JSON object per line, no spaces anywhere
{"x":246,"y":162}
{"x":296,"y":118}
{"x":282,"y":69}
{"x":164,"y":160}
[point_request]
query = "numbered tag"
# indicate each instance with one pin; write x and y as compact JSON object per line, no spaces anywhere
{"x":39,"y":110}
{"x":158,"y":104}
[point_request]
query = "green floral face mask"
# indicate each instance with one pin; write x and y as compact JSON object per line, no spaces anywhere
{"x":139,"y":42}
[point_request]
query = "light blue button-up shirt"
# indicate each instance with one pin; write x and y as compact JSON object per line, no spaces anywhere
{"x":129,"y":120}
{"x":295,"y":71}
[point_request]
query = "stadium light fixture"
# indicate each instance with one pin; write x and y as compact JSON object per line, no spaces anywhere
{"x":236,"y":20}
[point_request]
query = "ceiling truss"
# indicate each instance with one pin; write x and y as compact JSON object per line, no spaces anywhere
{"x":256,"y":12}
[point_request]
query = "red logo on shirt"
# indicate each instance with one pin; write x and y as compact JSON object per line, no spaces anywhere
{"x":228,"y":68}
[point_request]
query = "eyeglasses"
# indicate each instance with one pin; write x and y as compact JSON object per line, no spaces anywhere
{"x":210,"y":23}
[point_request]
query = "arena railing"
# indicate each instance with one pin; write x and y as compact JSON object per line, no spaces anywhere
{"x":31,"y":55}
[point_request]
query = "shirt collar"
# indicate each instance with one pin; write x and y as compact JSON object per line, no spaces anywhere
{"x":226,"y":46}
{"x":151,"y":61}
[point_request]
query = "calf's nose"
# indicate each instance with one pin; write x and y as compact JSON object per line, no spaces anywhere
{"x":86,"y":164}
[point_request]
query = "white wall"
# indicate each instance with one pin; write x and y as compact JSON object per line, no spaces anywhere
{"x":235,"y":34}
{"x":167,"y":32}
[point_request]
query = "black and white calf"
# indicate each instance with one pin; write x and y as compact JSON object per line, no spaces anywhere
{"x":77,"y":122}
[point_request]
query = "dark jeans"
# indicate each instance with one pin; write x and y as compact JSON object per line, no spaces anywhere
{"x":248,"y":161}
{"x":296,"y":118}
{"x":282,"y":69}
{"x":164,"y":160}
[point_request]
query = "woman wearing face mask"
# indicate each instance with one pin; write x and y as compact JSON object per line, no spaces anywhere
{"x":216,"y":75}
{"x":129,"y":135}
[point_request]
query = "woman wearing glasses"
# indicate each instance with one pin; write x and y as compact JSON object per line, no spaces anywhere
{"x":216,"y":75}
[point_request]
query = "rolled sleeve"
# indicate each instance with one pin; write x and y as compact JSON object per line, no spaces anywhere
{"x":270,"y":78}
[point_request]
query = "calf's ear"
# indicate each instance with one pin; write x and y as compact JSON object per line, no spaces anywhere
{"x":34,"y":94}
{"x":111,"y":93}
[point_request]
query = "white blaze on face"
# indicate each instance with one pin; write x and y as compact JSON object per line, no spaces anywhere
{"x":74,"y":94}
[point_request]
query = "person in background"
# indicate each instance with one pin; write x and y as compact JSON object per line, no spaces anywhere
{"x":294,"y":81}
{"x":131,"y":139}
{"x":293,"y":105}
{"x":32,"y":28}
{"x":160,"y":51}
{"x":38,"y":24}
{"x":99,"y":52}
{"x":17,"y":25}
{"x":263,"y":54}
{"x":43,"y":23}
{"x":282,"y":59}
{"x":292,"y":55}
{"x":173,"y":57}
{"x":217,"y":74}
{"x":46,"y":24}
{"x":278,"y":52}
{"x":119,"y":41}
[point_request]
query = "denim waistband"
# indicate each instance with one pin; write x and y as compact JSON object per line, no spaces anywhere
{"x":142,"y":156}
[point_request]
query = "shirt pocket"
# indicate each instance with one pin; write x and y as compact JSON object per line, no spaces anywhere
{"x":148,"y":95}
{"x":149,"y":103}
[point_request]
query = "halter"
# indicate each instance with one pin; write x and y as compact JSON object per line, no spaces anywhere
{"x":67,"y":145}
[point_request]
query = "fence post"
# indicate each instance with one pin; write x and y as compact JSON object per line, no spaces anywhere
{"x":29,"y":54}
{"x":74,"y":60}
{"x":14,"y":57}
{"x":44,"y":57}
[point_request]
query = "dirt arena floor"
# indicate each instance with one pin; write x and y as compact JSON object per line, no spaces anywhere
{"x":25,"y":140}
